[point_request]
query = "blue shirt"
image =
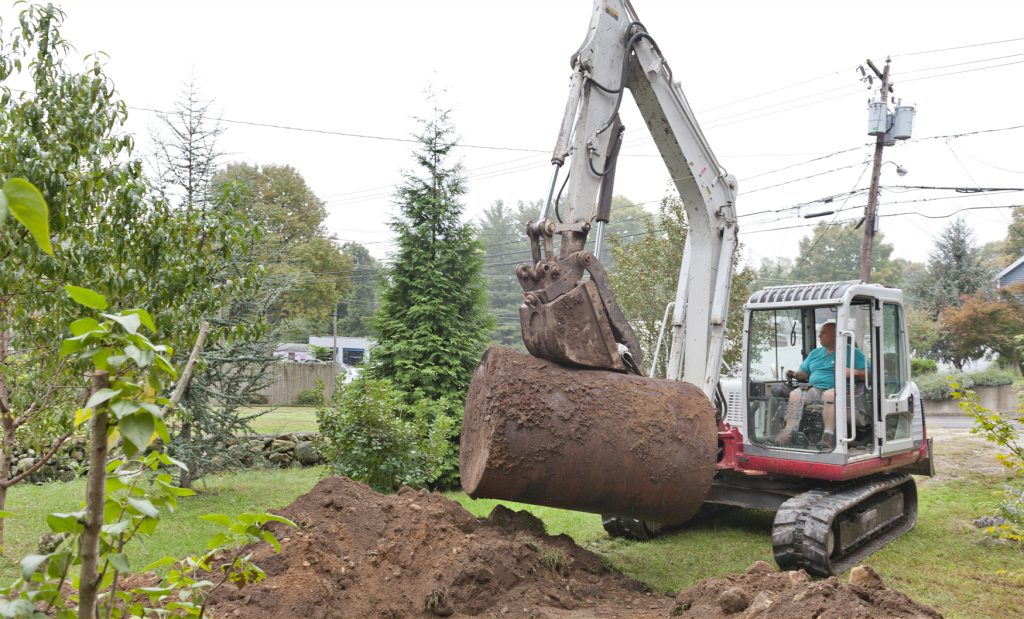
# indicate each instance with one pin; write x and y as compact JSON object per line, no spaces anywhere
{"x":820,"y":366}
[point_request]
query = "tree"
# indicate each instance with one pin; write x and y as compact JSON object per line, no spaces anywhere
{"x":1014,"y":244}
{"x":773,"y":272}
{"x":433,"y":322}
{"x":321,"y":275}
{"x":279,"y":199}
{"x":186,"y":160}
{"x":308,"y":271}
{"x":62,"y":132}
{"x":505,"y":244}
{"x":357,"y":307}
{"x":832,"y":253}
{"x":954,"y":269}
{"x":979,"y":324}
{"x":186,"y":150}
{"x":645,"y":277}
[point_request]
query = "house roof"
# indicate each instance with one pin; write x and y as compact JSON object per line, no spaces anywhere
{"x":292,"y":348}
{"x":1010,"y":268}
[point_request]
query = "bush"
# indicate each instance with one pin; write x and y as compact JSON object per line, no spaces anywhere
{"x":920,"y":367}
{"x":311,"y":397}
{"x":994,"y":376}
{"x":369,"y":433}
{"x":937,"y":386}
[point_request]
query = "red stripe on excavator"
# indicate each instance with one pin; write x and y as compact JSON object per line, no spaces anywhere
{"x":830,"y":472}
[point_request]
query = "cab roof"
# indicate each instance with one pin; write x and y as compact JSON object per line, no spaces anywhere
{"x":822,"y":293}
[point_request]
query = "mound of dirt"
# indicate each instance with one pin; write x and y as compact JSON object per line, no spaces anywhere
{"x":358,"y":553}
{"x":762,"y":593}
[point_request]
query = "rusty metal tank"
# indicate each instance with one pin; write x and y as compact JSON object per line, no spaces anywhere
{"x":589,"y":440}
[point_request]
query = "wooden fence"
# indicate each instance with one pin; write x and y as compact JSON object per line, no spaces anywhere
{"x":294,"y":378}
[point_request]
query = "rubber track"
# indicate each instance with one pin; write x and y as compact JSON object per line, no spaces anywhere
{"x":801,"y":530}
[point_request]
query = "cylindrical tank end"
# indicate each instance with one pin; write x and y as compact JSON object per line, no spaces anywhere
{"x":589,"y":440}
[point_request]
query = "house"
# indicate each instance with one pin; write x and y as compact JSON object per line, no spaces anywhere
{"x":349,"y":350}
{"x":1013,"y":274}
{"x":294,"y":352}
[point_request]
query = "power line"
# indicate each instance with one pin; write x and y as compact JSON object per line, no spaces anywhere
{"x":949,"y":49}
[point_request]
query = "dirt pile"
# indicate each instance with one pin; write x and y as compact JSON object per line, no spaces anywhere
{"x":764,"y":593}
{"x":358,"y":553}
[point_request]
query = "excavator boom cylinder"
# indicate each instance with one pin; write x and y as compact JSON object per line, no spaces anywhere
{"x":589,"y":440}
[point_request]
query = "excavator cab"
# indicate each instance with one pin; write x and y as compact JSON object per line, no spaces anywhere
{"x":870,"y":415}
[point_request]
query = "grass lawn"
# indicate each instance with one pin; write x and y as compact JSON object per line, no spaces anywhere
{"x":282,"y":419}
{"x":180,"y":533}
{"x":943,"y":562}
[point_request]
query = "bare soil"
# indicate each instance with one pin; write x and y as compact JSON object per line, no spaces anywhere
{"x":358,"y":553}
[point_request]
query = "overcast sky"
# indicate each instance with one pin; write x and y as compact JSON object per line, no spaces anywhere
{"x":774,"y":85}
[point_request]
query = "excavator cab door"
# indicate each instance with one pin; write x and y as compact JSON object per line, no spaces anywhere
{"x":895,"y":431}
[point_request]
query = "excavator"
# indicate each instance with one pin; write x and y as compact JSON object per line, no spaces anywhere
{"x":577,"y":424}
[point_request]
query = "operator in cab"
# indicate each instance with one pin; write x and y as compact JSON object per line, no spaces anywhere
{"x":819,"y":371}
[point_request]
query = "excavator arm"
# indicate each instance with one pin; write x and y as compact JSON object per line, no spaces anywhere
{"x":540,"y":429}
{"x":574,"y":320}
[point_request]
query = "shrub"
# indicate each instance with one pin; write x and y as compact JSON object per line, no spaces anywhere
{"x":920,"y":367}
{"x":311,"y":397}
{"x":937,"y":386}
{"x":369,"y":433}
{"x":994,"y":376}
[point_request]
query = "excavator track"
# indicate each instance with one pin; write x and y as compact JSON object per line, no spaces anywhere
{"x":827,"y":531}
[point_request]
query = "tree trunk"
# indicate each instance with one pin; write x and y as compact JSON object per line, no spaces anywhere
{"x":94,"y":503}
{"x":185,"y":477}
{"x":6,"y":455}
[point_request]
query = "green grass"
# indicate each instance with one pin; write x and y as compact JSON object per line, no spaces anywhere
{"x":178,"y":534}
{"x":283,"y":419}
{"x":944,"y":562}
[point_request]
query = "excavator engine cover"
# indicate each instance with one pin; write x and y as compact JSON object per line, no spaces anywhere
{"x":589,"y":440}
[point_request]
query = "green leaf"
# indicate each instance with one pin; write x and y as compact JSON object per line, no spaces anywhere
{"x":6,"y":514}
{"x":86,"y":297}
{"x":138,"y":428}
{"x":144,"y":317}
{"x":123,"y":408}
{"x":70,"y":522}
{"x":101,"y":396}
{"x":158,"y":563}
{"x":118,"y":527}
{"x":119,"y":561}
{"x":144,"y":507}
{"x":70,"y":346}
{"x":29,"y":207}
{"x":84,"y":325}
{"x":269,"y":538}
{"x":221,"y":519}
{"x":30,"y":564}
{"x":129,"y":322}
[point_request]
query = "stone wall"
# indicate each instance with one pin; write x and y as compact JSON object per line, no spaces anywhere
{"x":279,"y":450}
{"x":282,"y":450}
{"x":1002,"y":399}
{"x":68,"y":463}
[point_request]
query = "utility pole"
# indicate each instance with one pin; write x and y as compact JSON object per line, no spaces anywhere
{"x":876,"y":171}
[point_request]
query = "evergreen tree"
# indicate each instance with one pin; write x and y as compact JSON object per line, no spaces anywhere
{"x":433,"y":322}
{"x":955,"y":269}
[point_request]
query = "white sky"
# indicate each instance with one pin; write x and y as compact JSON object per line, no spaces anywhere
{"x":363,"y":67}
